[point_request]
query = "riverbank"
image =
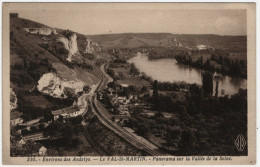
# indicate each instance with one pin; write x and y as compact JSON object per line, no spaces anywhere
{"x":169,"y":70}
{"x":234,"y":67}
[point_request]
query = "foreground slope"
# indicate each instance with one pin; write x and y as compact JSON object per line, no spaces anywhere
{"x":34,"y":54}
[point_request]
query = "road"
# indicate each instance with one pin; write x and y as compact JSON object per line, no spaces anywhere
{"x":104,"y":116}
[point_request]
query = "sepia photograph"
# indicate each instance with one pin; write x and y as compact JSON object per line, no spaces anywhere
{"x":128,"y":81}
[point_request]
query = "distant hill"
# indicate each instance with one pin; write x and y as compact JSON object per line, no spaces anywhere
{"x":133,"y":40}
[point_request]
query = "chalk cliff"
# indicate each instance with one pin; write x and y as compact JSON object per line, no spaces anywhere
{"x":70,"y":44}
{"x":91,"y":46}
{"x":41,"y":31}
{"x":52,"y":85}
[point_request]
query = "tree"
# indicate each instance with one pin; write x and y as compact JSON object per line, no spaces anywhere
{"x":133,"y":88}
{"x":155,"y":95}
{"x":134,"y":70}
{"x":30,"y":147}
{"x":53,"y":130}
{"x":59,"y":130}
{"x":189,"y":143}
{"x":77,"y":129}
{"x":144,"y":89}
{"x":86,"y":88}
{"x":201,"y":61}
{"x":207,"y":65}
{"x":48,"y":116}
{"x":172,"y":133}
{"x":41,"y":126}
{"x":195,"y":98}
{"x":33,"y":128}
{"x":143,"y":130}
{"x":111,"y":72}
{"x":195,"y":91}
{"x":207,"y":83}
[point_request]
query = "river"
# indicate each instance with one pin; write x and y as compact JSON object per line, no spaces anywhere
{"x":169,"y":70}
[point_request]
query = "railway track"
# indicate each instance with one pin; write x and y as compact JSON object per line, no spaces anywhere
{"x":122,"y":133}
{"x":118,"y":130}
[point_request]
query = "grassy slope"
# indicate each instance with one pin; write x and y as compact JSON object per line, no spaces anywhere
{"x":29,"y":61}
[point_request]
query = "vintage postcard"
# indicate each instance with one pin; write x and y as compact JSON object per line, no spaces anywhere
{"x":129,"y":83}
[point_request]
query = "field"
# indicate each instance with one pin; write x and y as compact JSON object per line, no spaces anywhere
{"x":136,"y":82}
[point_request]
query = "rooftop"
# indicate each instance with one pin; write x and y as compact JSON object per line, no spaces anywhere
{"x":70,"y":109}
{"x":57,"y":112}
{"x":67,"y":110}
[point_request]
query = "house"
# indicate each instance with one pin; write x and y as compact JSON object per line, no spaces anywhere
{"x":56,"y":114}
{"x":21,"y":142}
{"x":201,"y":47}
{"x":15,"y":118}
{"x":121,"y":99}
{"x":34,"y":136}
{"x":16,"y":121}
{"x":124,"y":85}
{"x":68,"y":112}
{"x":33,"y":122}
{"x":43,"y":151}
{"x":72,"y":111}
{"x":121,"y":119}
{"x":111,"y":91}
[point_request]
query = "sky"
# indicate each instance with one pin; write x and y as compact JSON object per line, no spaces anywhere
{"x":98,"y":20}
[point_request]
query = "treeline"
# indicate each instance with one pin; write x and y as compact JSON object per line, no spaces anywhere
{"x":172,"y":86}
{"x":197,"y":120}
{"x":123,"y":53}
{"x":225,"y":65}
{"x":161,"y":52}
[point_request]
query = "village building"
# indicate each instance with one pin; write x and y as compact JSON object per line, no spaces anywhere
{"x":124,"y":85}
{"x":43,"y":151}
{"x":15,"y":118}
{"x":34,"y":136}
{"x":68,"y":112}
{"x":21,"y":142}
{"x":120,"y":119}
{"x":201,"y":47}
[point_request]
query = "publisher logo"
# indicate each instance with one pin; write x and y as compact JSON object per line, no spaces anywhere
{"x":240,"y":142}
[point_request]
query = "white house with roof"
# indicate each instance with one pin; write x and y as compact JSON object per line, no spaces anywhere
{"x":43,"y":151}
{"x":34,"y":136}
{"x":21,"y":142}
{"x":201,"y":47}
{"x":68,"y":112}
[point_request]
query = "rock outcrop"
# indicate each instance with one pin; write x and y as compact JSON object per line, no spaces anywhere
{"x":70,"y":44}
{"x":91,"y":46}
{"x":52,"y":85}
{"x":41,"y":31}
{"x":13,"y":99}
